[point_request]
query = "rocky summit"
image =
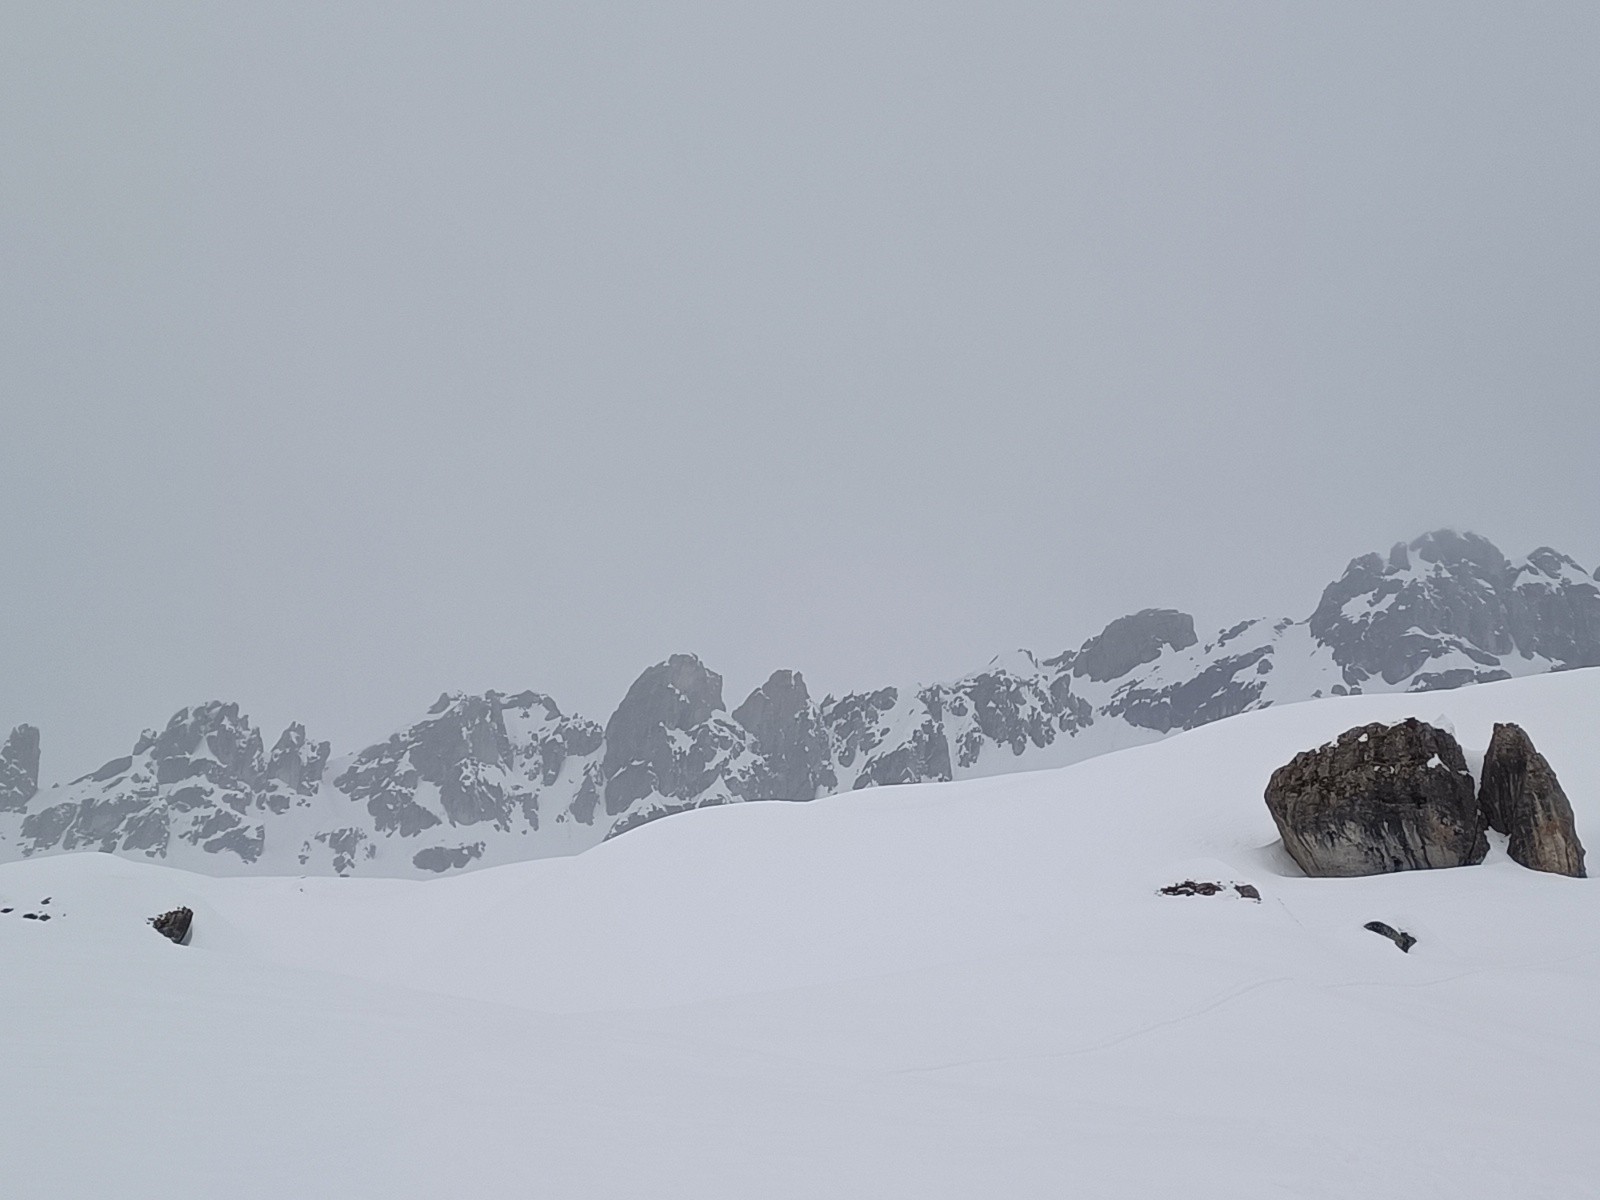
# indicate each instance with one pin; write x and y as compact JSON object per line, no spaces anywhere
{"x":19,"y":769}
{"x":494,"y":778}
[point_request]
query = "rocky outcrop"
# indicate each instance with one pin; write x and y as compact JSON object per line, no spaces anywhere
{"x":789,"y":740}
{"x":297,"y":763}
{"x":1449,"y":609}
{"x":1520,"y":796}
{"x":200,"y":782}
{"x":439,"y":859}
{"x":1380,"y":798}
{"x":884,"y":737}
{"x":1553,"y":609}
{"x":1008,"y":708}
{"x":513,"y":765}
{"x":1227,"y":677}
{"x":493,"y":760}
{"x":1132,"y":641}
{"x":671,"y":745}
{"x":19,"y":769}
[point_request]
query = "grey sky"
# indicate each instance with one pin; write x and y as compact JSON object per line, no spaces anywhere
{"x":352,"y":353}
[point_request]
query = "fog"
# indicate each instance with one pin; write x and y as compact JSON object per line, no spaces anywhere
{"x":349,"y":354}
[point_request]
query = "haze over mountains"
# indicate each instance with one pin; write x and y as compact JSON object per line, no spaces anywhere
{"x":493,"y":778}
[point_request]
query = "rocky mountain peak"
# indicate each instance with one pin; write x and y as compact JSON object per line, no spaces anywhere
{"x":1447,"y":609}
{"x":495,"y":778}
{"x":1552,"y":564}
{"x":1132,"y":641}
{"x":296,"y":762}
{"x":679,"y":693}
{"x":669,"y":738}
{"x":1439,"y":600}
{"x":201,"y":781}
{"x":1553,"y":610}
{"x":19,"y":769}
{"x":1449,"y":549}
{"x":787,"y":733}
{"x":214,"y":730}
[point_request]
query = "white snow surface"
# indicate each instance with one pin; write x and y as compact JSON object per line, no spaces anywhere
{"x":968,"y":989}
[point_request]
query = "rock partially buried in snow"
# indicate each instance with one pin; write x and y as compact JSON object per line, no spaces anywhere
{"x":1190,"y":887}
{"x":1521,"y":797}
{"x":1398,"y":936}
{"x":1205,"y":887}
{"x":174,"y":925}
{"x":1380,"y":798}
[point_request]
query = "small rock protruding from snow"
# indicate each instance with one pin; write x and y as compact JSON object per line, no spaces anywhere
{"x":1398,"y":936}
{"x":1190,"y":887}
{"x":174,"y":925}
{"x":1206,"y":887}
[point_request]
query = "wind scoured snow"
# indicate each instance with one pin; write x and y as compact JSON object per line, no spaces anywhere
{"x":951,"y":990}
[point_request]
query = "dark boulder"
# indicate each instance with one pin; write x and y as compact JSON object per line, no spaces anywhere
{"x":174,"y":925}
{"x":1521,"y":797}
{"x":1380,"y":798}
{"x":1398,"y":936}
{"x":1192,"y":887}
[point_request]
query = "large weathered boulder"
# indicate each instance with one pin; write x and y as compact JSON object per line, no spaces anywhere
{"x":1521,"y":797}
{"x":1380,"y":798}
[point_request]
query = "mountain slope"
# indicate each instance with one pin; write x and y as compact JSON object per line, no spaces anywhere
{"x":481,"y":780}
{"x":939,"y":991}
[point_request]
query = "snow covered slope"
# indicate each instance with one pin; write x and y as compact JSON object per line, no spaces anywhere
{"x":483,"y":780}
{"x":965,"y":989}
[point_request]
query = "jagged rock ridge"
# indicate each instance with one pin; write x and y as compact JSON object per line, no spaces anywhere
{"x":494,"y":778}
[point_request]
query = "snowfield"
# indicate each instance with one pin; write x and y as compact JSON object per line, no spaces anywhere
{"x":967,"y":989}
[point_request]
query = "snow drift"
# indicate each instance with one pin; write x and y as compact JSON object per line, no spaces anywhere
{"x":955,"y":989}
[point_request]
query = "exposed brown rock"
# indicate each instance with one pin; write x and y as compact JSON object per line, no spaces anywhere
{"x":1381,"y":798}
{"x":1520,"y":796}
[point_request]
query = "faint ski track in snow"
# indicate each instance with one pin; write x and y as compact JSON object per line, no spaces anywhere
{"x":1226,"y":998}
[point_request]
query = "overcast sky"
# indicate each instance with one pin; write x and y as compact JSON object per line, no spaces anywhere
{"x":354,"y":352}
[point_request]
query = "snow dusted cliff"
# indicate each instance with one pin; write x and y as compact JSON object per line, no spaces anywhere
{"x":488,"y":779}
